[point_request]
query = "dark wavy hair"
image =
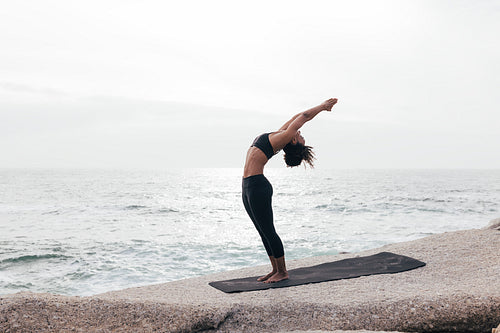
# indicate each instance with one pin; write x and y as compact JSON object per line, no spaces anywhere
{"x":296,"y":153}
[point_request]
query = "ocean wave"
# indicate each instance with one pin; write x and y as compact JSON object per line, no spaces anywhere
{"x":33,"y":258}
{"x":139,"y":241}
{"x":150,"y":210}
{"x":344,"y":209}
{"x":419,"y":199}
{"x":321,"y":206}
{"x":165,"y":210}
{"x":52,"y":212}
{"x":19,"y":286}
{"x":134,"y":207}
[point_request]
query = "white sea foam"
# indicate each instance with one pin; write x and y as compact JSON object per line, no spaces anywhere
{"x":86,"y":232}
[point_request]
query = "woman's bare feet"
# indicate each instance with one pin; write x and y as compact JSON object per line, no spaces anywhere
{"x":279,"y":272}
{"x":274,"y":264}
{"x":278,"y":276}
{"x":265,"y":277}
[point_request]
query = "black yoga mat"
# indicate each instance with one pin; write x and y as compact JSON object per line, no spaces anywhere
{"x":381,"y":263}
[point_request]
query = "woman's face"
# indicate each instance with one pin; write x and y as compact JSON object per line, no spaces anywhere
{"x":299,"y":139}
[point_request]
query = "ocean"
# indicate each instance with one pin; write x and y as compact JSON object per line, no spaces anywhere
{"x":83,"y":232}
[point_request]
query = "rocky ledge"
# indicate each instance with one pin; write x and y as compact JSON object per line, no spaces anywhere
{"x":457,"y":291}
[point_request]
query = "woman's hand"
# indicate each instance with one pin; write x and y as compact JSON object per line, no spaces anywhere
{"x":328,"y":104}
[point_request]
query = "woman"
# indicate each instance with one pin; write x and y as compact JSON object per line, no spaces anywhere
{"x":257,"y":191}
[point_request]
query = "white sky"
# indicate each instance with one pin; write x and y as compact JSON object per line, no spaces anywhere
{"x":158,"y":84}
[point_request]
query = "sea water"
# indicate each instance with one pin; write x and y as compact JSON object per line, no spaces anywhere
{"x":83,"y":232}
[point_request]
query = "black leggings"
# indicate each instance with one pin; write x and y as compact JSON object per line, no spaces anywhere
{"x":257,"y":194}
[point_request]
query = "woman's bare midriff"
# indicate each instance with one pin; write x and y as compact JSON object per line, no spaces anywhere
{"x":255,"y":162}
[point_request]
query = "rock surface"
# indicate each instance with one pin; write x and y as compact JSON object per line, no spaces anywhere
{"x":340,"y":331}
{"x":494,"y":224}
{"x":457,"y":291}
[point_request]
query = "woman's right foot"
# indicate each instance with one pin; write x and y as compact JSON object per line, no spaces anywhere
{"x":279,"y":276}
{"x":265,"y":277}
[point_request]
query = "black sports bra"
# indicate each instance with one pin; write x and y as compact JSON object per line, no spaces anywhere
{"x":262,"y":142}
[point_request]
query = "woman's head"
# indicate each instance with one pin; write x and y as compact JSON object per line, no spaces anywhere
{"x":296,"y":151}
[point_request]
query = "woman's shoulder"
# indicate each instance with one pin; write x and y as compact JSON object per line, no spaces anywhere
{"x":278,"y":139}
{"x":271,"y":134}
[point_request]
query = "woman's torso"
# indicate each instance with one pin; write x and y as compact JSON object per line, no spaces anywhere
{"x":258,"y":154}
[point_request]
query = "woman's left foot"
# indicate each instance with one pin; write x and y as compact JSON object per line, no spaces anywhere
{"x":279,"y":276}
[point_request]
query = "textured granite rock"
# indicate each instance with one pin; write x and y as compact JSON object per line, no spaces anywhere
{"x":339,"y":331}
{"x":457,"y":291}
{"x":494,"y":224}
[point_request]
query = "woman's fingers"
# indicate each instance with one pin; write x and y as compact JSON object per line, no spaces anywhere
{"x":330,"y":103}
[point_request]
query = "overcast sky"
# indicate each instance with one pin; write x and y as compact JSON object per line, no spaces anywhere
{"x":159,"y":84}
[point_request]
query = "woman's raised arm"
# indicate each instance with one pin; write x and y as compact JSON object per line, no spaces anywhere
{"x":290,"y":128}
{"x":285,"y":126}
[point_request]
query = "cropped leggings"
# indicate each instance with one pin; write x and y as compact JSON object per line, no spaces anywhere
{"x":257,"y":193}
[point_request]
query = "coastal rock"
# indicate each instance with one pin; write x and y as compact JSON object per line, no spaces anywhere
{"x":340,"y":331}
{"x":494,"y":224}
{"x":457,"y":291}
